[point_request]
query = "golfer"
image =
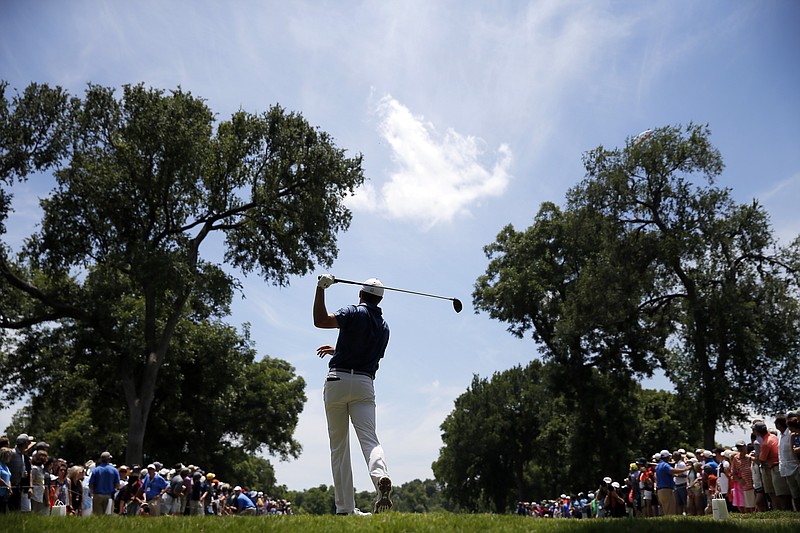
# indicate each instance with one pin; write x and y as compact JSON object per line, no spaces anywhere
{"x":349,"y":392}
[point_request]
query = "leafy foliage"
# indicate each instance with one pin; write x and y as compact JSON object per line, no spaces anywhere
{"x":217,"y":406}
{"x":142,"y":181}
{"x":519,"y":437}
{"x":649,"y":264}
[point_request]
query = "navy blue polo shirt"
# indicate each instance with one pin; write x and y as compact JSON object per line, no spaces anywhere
{"x":363,"y":337}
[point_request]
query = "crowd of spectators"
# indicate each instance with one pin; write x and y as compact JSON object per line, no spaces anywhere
{"x":32,"y":481}
{"x":755,"y":476}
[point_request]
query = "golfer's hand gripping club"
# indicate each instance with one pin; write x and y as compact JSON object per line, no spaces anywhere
{"x":326,"y":280}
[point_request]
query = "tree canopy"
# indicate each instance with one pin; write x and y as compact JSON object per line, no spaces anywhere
{"x":520,"y":436}
{"x":143,"y":181}
{"x":650,"y":264}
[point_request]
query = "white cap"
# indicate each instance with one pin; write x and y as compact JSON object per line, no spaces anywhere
{"x":615,"y":485}
{"x":606,"y":479}
{"x":373,"y":286}
{"x":237,"y":487}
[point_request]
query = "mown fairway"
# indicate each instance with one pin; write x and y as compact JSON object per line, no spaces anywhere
{"x":394,"y":523}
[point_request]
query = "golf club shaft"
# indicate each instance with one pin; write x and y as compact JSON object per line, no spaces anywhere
{"x":349,"y":282}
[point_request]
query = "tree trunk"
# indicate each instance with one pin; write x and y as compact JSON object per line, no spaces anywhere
{"x":710,"y":413}
{"x":137,"y":421}
{"x":139,"y":400}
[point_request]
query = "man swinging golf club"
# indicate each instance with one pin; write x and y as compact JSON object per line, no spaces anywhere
{"x":349,"y":393}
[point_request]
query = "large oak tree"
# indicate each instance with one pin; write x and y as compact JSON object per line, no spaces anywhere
{"x":145,"y":181}
{"x":650,"y":263}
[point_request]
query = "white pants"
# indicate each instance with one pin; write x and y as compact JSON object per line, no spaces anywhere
{"x":351,"y":398}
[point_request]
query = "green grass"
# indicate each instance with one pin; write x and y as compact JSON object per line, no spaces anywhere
{"x":394,"y":523}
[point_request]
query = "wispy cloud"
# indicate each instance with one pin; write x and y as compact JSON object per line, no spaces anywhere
{"x":780,"y":200}
{"x":437,"y":177}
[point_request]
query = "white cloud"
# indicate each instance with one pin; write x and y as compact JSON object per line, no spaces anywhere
{"x":436,"y":177}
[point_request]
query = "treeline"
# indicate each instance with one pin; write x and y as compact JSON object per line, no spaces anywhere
{"x":412,"y":497}
{"x":513,"y":437}
{"x":648,"y":265}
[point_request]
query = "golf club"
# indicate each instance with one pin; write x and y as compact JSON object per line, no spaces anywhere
{"x":456,"y":302}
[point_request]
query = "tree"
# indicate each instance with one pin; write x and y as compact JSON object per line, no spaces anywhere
{"x":665,"y":420}
{"x":717,"y":267}
{"x":489,"y":439}
{"x":216,"y":405}
{"x":317,"y":501}
{"x":645,"y":267}
{"x":142,"y":182}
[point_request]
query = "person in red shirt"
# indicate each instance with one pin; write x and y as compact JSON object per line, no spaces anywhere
{"x":768,"y":459}
{"x":710,"y":484}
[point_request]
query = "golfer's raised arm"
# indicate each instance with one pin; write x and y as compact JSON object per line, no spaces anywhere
{"x":323,"y":319}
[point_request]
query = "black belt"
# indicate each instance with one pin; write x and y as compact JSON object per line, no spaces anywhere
{"x":350,"y":371}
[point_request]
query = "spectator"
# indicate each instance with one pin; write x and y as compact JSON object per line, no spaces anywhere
{"x":199,"y":494}
{"x":20,"y":466}
{"x":154,"y":485}
{"x":600,"y":496}
{"x":126,"y":502}
{"x":793,"y":421}
{"x":186,"y":493}
{"x":75,"y":475}
{"x":87,"y":496}
{"x":787,"y":462}
{"x":614,"y":503}
{"x":710,"y":485}
{"x":742,"y":474}
{"x":708,"y":459}
{"x":103,"y":483}
{"x":242,"y":504}
{"x":123,"y":481}
{"x":696,"y":503}
{"x":40,"y":503}
{"x":648,"y":490}
{"x":62,"y":492}
{"x":768,"y":458}
{"x":211,"y":501}
{"x":171,"y":501}
{"x":635,"y":482}
{"x":5,"y":478}
{"x":665,"y":482}
{"x":681,"y":480}
{"x":723,"y":471}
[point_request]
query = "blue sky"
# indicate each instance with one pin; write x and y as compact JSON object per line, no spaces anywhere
{"x":469,"y":115}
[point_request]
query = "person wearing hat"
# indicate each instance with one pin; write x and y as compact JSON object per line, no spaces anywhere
{"x":681,"y":482}
{"x":197,"y":495}
{"x":241,"y":503}
{"x":665,"y":482}
{"x":742,"y":475}
{"x":696,"y":501}
{"x":349,"y":392}
{"x":723,"y":474}
{"x":20,"y":467}
{"x":103,"y":483}
{"x":154,"y":485}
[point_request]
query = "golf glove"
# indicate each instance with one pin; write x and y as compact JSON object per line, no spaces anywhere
{"x":325,"y":281}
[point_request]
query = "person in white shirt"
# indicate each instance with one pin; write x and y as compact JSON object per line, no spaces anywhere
{"x":788,"y":464}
